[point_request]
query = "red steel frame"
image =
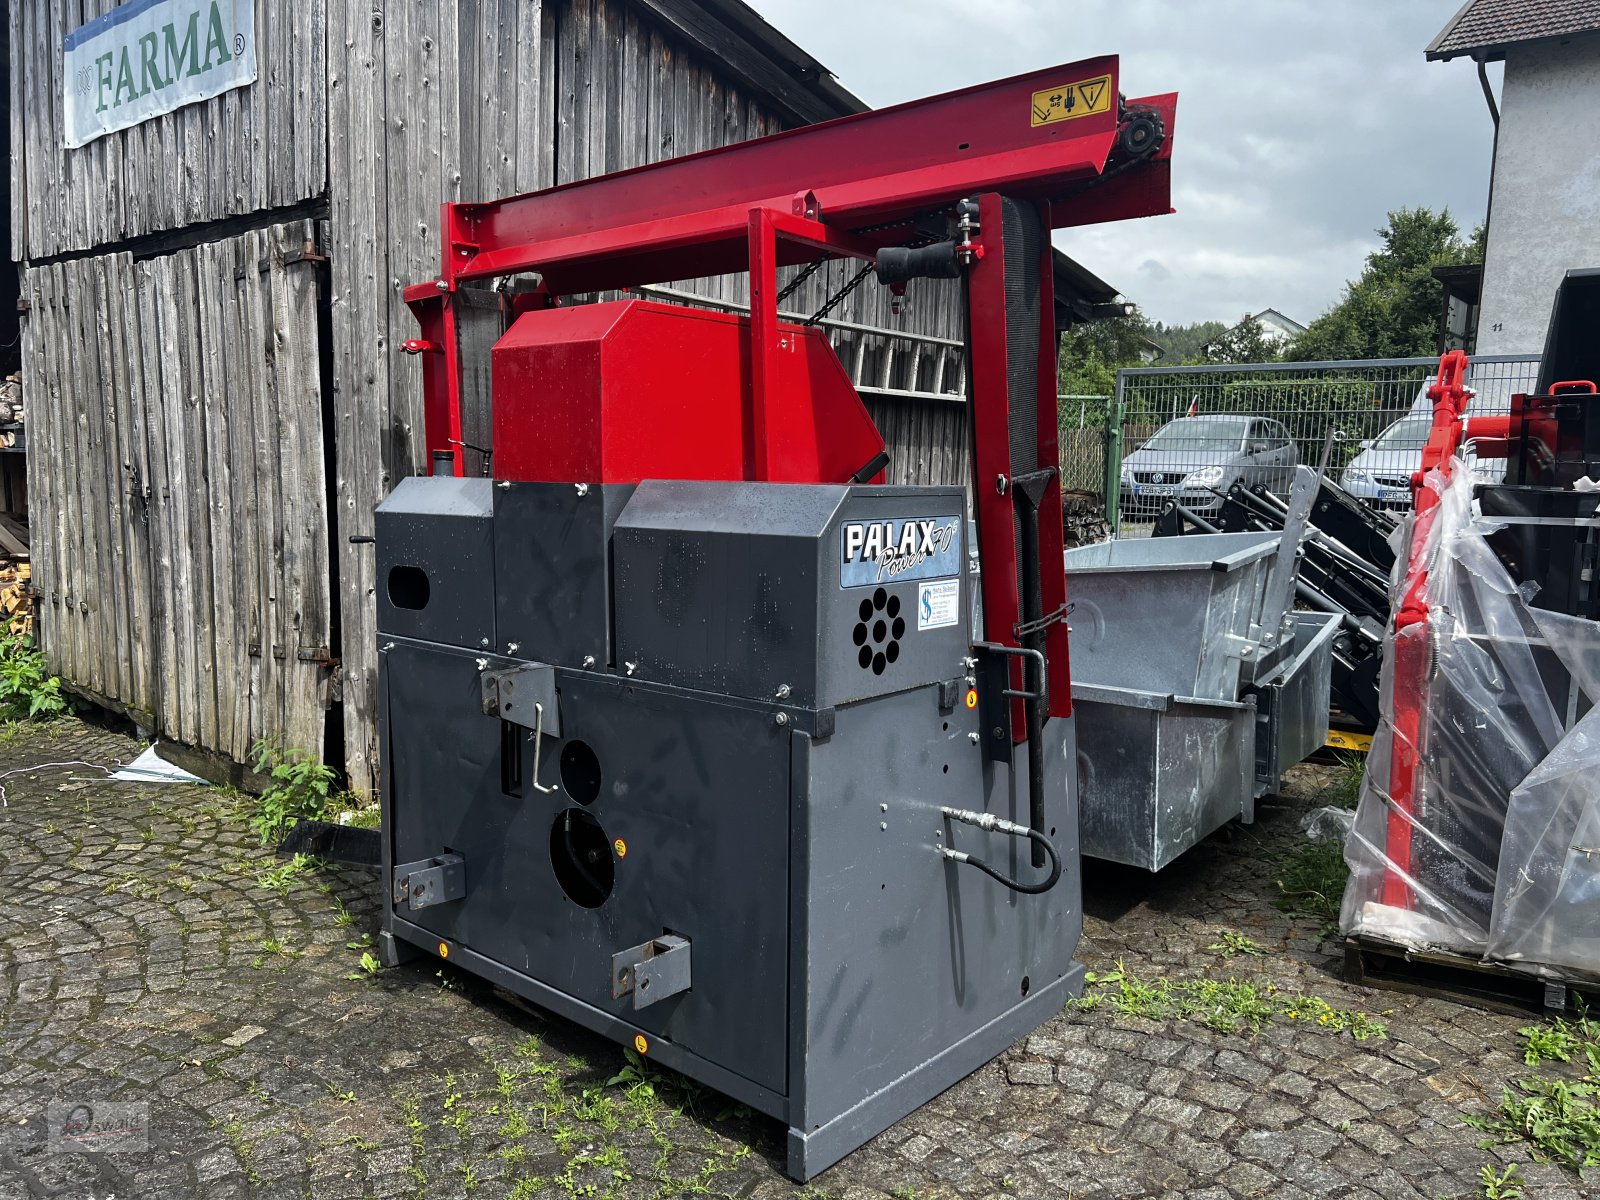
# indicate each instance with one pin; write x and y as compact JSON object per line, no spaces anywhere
{"x":1494,"y":436}
{"x":848,"y":188}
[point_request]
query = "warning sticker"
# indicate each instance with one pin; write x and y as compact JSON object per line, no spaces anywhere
{"x":1082,"y":99}
{"x":938,"y":604}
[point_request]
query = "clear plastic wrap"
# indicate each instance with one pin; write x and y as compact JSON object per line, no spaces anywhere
{"x":1498,"y":852}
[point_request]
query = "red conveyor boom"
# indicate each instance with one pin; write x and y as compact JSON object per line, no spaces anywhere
{"x":1062,"y":141}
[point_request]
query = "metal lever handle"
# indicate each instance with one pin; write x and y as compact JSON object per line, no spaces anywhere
{"x":538,"y":742}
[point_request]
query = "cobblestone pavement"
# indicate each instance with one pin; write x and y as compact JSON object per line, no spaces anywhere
{"x":148,"y":954}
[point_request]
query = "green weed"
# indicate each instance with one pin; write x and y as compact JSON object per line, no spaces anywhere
{"x":1557,"y":1116}
{"x":1311,"y":880}
{"x":1504,"y":1185}
{"x":281,"y":878}
{"x":301,"y":786}
{"x":27,"y":689}
{"x":1235,"y":943}
{"x":1226,"y":1005}
{"x":1346,"y":789}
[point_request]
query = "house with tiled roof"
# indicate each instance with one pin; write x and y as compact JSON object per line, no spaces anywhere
{"x":1544,"y":189}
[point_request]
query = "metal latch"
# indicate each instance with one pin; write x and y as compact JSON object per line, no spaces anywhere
{"x":653,"y":971}
{"x":518,"y":694}
{"x":430,"y":881}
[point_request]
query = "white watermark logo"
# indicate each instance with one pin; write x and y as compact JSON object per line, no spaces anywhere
{"x":97,"y":1127}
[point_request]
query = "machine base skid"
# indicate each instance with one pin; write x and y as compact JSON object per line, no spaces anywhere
{"x":809,"y":1152}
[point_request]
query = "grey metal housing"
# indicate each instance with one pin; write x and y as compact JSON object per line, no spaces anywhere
{"x":735,"y":809}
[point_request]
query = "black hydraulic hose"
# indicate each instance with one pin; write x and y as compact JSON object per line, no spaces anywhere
{"x":988,"y":821}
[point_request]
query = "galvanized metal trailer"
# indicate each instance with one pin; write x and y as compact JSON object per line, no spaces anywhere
{"x":687,"y":732}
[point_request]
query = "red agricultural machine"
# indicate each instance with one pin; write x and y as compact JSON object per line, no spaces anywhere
{"x":690,"y":730}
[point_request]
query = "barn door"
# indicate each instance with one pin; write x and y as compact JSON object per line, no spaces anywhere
{"x":184,"y":556}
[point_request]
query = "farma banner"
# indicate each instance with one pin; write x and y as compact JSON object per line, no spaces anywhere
{"x":148,"y":57}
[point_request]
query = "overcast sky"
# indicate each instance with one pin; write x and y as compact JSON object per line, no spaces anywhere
{"x":1300,"y":125}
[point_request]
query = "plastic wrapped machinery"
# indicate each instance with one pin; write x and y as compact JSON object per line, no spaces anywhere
{"x":1497,"y":853}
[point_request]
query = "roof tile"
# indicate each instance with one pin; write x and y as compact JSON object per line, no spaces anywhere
{"x":1492,"y":24}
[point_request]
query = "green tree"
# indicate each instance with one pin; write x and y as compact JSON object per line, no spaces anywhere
{"x":1185,"y":344}
{"x":1246,"y":342}
{"x":1092,"y":353}
{"x":1392,"y":310}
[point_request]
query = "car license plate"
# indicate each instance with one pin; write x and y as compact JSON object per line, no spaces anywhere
{"x":1155,"y":489}
{"x":1397,"y":495}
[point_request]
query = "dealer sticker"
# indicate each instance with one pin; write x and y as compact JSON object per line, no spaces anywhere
{"x":938,"y":604}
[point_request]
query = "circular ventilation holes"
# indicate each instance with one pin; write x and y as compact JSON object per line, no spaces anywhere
{"x":580,"y":772}
{"x":580,"y":855}
{"x":877,"y":635}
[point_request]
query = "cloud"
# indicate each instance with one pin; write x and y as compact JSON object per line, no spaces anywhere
{"x":1300,"y":126}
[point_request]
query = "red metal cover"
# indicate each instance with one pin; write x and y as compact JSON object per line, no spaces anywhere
{"x":633,"y":389}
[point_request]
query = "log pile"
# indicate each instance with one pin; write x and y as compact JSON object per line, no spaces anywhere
{"x":16,"y":607}
{"x":12,"y":415}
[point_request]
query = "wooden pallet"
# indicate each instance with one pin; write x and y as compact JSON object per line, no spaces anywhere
{"x":1494,"y":986}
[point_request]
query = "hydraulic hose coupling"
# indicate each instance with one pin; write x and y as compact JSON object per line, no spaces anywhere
{"x":987,"y":822}
{"x":990,"y":823}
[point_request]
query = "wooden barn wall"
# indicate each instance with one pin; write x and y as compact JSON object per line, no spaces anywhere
{"x":929,"y":441}
{"x":248,"y":150}
{"x":180,"y":544}
{"x":484,"y":98}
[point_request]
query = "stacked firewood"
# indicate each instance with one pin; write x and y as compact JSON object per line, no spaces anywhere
{"x":11,"y":413}
{"x":16,"y":609}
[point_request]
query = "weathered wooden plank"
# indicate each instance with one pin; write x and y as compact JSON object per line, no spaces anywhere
{"x":282,"y":498}
{"x":212,"y":264}
{"x":173,"y":409}
{"x":118,"y":581}
{"x":540,"y":19}
{"x":295,"y":288}
{"x":158,"y":506}
{"x":69,"y":547}
{"x":136,"y":478}
{"x":16,"y":99}
{"x":572,"y":39}
{"x":41,"y":337}
{"x":90,"y":401}
{"x":248,"y":445}
{"x":360,"y":208}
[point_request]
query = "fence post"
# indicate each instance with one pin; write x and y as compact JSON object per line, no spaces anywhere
{"x":1113,"y":438}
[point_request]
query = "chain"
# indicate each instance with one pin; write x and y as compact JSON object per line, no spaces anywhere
{"x":838,"y":297}
{"x":794,"y":284}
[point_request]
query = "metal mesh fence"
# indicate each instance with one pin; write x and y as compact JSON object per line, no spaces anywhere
{"x":1190,"y":433}
{"x":1083,"y":442}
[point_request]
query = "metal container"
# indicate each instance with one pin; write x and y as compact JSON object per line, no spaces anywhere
{"x":1156,"y":773}
{"x":1191,"y":699}
{"x":1173,"y":616}
{"x":1292,"y":702}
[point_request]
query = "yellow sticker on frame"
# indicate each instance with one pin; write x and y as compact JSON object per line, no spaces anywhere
{"x":1081,"y":99}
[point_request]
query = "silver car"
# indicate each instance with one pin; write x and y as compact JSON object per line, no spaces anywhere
{"x":1381,"y":474}
{"x":1192,"y":459}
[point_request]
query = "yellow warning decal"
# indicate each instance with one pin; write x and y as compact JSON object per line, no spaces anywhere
{"x":444,"y":950}
{"x":621,"y":848}
{"x":1081,"y":99}
{"x":641,"y":1043}
{"x":1340,"y":739}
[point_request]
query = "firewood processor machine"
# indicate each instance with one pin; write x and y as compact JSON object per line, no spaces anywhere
{"x":693,"y":730}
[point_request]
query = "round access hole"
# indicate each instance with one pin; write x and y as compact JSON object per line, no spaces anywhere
{"x":580,"y":772}
{"x":580,"y":855}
